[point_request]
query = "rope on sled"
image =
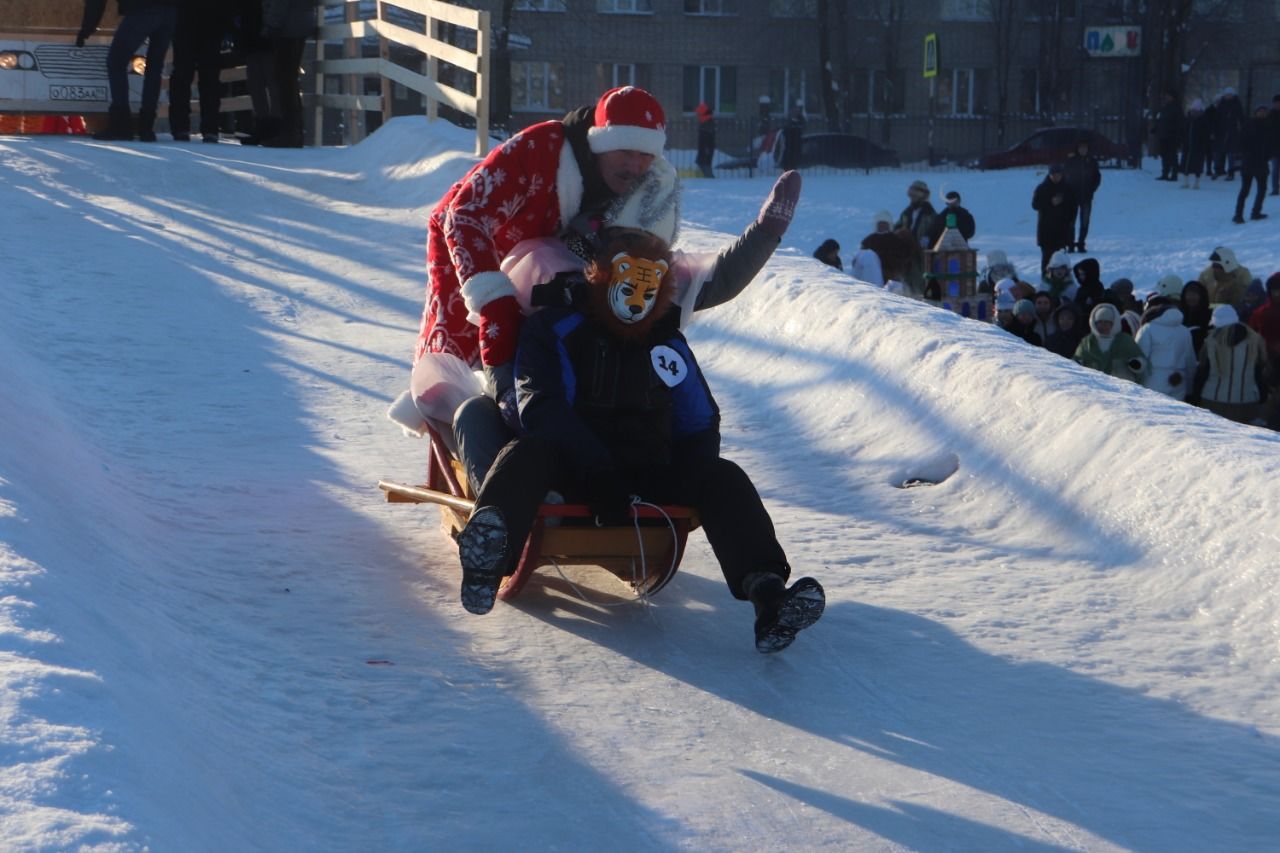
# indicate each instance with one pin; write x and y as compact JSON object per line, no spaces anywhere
{"x":637,"y":578}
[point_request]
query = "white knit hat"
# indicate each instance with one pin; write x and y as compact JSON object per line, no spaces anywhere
{"x":1224,"y":315}
{"x":628,"y":118}
{"x":652,"y":205}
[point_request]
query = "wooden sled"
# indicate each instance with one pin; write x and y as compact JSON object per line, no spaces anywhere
{"x":646,"y":555}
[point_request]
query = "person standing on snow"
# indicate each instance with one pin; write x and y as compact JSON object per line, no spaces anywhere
{"x":1168,"y":133}
{"x":1081,"y":173}
{"x":1055,"y":203}
{"x":1195,"y":143}
{"x":964,"y":220}
{"x":151,"y":21}
{"x":1230,"y":122}
{"x":615,"y":410}
{"x":1255,"y":151}
{"x":706,"y":140}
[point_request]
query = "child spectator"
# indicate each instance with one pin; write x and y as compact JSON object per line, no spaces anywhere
{"x":1024,"y":323}
{"x":1224,"y":278}
{"x":1045,"y":324}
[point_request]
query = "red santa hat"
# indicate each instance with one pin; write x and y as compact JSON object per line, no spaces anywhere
{"x":628,"y":118}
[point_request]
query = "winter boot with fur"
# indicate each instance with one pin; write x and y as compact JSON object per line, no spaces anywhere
{"x":782,"y":613}
{"x":482,"y":549}
{"x":119,"y":124}
{"x":1186,"y":180}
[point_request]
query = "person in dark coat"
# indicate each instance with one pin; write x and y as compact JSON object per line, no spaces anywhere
{"x":615,"y":411}
{"x":1089,"y":288}
{"x":894,"y":252}
{"x":1055,"y":203}
{"x":1255,"y":151}
{"x":1082,"y":174}
{"x":151,"y":21}
{"x":1213,"y":140}
{"x":964,"y":220}
{"x":1196,"y":311}
{"x":706,"y":139}
{"x":1071,"y":329}
{"x":1195,"y":143}
{"x":829,"y":253}
{"x":1273,"y":128}
{"x":1230,"y":122}
{"x":288,"y":24}
{"x":1168,"y":131}
{"x":792,"y":134}
{"x":197,"y":49}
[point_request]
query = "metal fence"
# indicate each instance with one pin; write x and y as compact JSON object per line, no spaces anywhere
{"x":938,"y":144}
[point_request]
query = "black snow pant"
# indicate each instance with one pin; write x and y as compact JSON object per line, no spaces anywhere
{"x":1084,"y":211}
{"x":1247,"y":177}
{"x":153,"y":25}
{"x":733,"y":517}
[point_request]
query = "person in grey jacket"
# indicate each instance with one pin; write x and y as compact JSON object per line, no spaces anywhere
{"x":151,"y":21}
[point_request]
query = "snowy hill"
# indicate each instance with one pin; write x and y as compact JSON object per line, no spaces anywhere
{"x":215,"y":636}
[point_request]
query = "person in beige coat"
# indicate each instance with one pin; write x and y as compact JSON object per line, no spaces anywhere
{"x":1230,"y":379}
{"x":1225,"y":279}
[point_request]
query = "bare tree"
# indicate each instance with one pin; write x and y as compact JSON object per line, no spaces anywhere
{"x":1008,"y":19}
{"x":889,"y":14}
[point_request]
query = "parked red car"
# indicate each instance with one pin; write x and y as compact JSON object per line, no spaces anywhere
{"x":1051,"y":145}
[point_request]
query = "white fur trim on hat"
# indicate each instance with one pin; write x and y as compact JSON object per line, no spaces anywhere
{"x":569,"y":185}
{"x":1059,"y":259}
{"x":653,"y":204}
{"x":628,"y":118}
{"x":483,"y":288}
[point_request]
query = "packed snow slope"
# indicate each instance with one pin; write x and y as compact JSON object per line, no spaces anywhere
{"x":214,"y":635}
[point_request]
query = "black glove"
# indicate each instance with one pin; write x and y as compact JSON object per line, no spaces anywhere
{"x":1175,"y":379}
{"x":500,"y":380}
{"x":608,"y":495}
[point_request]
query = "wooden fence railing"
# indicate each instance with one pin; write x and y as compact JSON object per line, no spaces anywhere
{"x":391,"y":24}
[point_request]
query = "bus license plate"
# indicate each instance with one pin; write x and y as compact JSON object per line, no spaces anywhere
{"x":77,"y":93}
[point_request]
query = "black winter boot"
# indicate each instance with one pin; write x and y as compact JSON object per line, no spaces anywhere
{"x":482,"y":550}
{"x":119,"y":124}
{"x":782,"y":613}
{"x":147,"y":125}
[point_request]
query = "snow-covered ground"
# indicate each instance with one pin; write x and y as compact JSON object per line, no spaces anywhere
{"x":215,"y":635}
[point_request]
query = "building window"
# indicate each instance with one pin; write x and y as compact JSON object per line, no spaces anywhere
{"x":966,"y":10}
{"x":793,"y":8}
{"x":877,"y":93}
{"x":1218,"y":10}
{"x":1044,"y":10}
{"x":537,"y":86}
{"x":715,"y":85}
{"x":711,"y":7}
{"x":541,"y":6}
{"x":623,"y":75}
{"x":786,"y":87}
{"x":625,"y":6}
{"x":961,"y":91}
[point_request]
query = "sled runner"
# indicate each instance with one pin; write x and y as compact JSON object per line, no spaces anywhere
{"x":644,"y":553}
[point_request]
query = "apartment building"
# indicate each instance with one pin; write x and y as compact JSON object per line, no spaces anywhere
{"x":1002,"y":67}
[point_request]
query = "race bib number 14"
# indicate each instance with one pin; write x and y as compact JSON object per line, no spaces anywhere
{"x":669,"y":365}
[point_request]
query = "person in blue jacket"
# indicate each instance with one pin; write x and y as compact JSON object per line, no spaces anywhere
{"x":614,"y":409}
